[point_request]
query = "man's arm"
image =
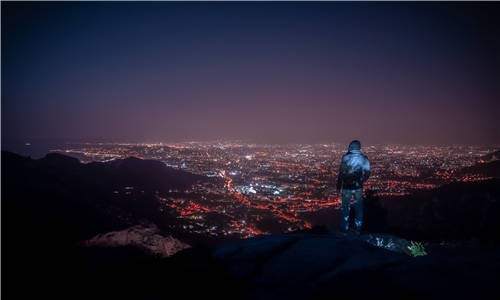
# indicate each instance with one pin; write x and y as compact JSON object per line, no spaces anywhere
{"x":339,"y":183}
{"x":366,"y":169}
{"x":339,"y":177}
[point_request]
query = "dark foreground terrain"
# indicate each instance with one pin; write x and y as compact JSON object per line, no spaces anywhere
{"x":294,"y":266}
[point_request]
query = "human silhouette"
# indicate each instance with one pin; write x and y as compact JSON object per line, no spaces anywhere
{"x":354,"y":171}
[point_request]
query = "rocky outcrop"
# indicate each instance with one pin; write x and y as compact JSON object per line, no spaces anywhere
{"x":147,"y":238}
{"x":328,"y":266}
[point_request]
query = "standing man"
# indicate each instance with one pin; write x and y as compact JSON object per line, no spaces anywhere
{"x":354,"y":171}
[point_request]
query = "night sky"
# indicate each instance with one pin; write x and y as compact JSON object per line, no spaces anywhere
{"x":411,"y":73}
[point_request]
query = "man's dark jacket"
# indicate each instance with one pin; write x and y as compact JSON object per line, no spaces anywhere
{"x":354,"y":170}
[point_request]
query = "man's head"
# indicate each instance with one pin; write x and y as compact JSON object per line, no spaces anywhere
{"x":354,"y":145}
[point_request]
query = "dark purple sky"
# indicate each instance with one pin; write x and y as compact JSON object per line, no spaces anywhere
{"x":272,"y":72}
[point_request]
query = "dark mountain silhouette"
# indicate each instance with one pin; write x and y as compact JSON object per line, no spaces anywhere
{"x":455,"y":211}
{"x":85,"y":199}
{"x":57,"y":161}
{"x":458,"y":211}
{"x":150,"y":174}
{"x":491,"y":156}
{"x":489,"y":169}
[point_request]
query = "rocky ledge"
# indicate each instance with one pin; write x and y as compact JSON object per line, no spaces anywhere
{"x":327,"y":266}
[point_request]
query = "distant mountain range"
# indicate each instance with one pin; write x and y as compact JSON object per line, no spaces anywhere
{"x":58,"y":194}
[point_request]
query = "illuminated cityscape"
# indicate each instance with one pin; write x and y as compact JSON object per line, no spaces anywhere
{"x":151,"y":149}
{"x":256,"y":189}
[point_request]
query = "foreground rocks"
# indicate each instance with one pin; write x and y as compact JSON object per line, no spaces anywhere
{"x":146,"y":237}
{"x":306,"y":266}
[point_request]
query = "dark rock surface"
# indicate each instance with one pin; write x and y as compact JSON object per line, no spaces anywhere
{"x":328,"y":266}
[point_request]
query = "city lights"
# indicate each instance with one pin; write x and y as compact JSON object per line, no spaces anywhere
{"x":247,"y":183}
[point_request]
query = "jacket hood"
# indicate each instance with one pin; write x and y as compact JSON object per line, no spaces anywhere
{"x":354,"y":145}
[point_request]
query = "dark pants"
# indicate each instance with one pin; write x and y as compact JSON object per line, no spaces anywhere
{"x":358,"y":208}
